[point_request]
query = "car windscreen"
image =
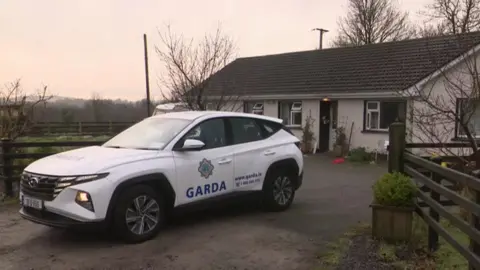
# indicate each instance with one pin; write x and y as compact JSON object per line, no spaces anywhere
{"x":151,"y":133}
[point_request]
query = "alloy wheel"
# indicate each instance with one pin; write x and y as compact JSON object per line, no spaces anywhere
{"x":282,"y":190}
{"x":143,"y":214}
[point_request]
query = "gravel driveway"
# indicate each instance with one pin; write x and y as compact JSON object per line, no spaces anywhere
{"x":332,"y":198}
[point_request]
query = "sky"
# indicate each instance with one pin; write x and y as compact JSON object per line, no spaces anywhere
{"x":81,"y":47}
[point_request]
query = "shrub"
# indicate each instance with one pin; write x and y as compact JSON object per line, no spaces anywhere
{"x":308,"y":137}
{"x":360,"y":154}
{"x":394,"y":189}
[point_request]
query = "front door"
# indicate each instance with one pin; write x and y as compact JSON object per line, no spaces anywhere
{"x":207,"y":172}
{"x":324,"y":133}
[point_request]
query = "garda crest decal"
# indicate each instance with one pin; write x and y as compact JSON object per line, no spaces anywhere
{"x":205,"y":168}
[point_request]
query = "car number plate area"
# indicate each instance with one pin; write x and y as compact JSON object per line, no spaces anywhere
{"x":32,"y":202}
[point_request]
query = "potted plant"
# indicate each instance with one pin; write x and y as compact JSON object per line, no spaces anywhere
{"x":340,"y":142}
{"x":308,"y":137}
{"x":392,"y":208}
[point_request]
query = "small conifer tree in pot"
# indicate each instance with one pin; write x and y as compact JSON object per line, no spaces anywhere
{"x":394,"y":196}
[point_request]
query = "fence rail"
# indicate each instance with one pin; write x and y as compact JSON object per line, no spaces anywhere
{"x":433,"y":178}
{"x":12,"y":152}
{"x":77,"y":128}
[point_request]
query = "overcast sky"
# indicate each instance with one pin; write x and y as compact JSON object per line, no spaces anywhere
{"x":78,"y":47}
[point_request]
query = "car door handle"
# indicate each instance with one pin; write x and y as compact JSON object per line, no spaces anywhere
{"x":269,"y":153}
{"x":225,"y":161}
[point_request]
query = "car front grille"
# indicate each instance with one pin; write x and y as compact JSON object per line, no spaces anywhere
{"x":42,"y":187}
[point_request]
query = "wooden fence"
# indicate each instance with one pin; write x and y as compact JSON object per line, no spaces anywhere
{"x":438,"y":192}
{"x":77,"y":128}
{"x":12,"y":152}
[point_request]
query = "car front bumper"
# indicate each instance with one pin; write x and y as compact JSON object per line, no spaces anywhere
{"x":44,"y":217}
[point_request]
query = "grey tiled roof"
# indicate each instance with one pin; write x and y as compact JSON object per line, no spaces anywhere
{"x":389,"y":66}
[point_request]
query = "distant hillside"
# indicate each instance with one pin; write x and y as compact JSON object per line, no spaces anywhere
{"x":80,"y":102}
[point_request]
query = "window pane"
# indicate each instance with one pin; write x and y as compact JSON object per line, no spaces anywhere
{"x":270,"y":127}
{"x":372,"y":105}
{"x":211,"y":133}
{"x":296,"y":118}
{"x":149,"y":133}
{"x":285,"y":112}
{"x":245,"y":130}
{"x":389,"y":112}
{"x":374,"y":120}
{"x":472,"y":116}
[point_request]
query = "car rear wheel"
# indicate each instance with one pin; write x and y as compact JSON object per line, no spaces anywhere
{"x":279,"y":190}
{"x":139,"y":215}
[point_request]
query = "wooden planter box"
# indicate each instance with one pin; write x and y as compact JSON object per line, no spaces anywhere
{"x":392,"y":223}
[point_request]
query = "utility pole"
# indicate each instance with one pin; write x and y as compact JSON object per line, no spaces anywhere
{"x":321,"y":30}
{"x":147,"y":84}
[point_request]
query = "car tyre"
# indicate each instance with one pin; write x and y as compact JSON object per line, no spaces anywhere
{"x":139,"y":214}
{"x":278,"y":190}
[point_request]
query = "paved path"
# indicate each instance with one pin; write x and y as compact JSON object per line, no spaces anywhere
{"x":333,"y":198}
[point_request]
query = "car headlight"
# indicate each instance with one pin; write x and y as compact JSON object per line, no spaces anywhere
{"x":66,"y":181}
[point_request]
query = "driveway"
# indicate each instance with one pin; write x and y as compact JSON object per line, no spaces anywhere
{"x":332,"y":198}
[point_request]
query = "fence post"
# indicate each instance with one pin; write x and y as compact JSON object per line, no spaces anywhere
{"x":80,"y":128}
{"x":432,"y":234}
{"x":7,"y":163}
{"x":110,"y":128}
{"x":396,"y":147}
{"x":475,"y":223}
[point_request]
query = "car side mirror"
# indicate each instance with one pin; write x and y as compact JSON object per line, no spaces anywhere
{"x":192,"y":144}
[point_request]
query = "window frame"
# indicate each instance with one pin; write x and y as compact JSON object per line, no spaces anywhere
{"x":296,"y":107}
{"x":458,"y":105}
{"x":255,"y":120}
{"x":368,"y":112}
{"x":368,"y":116}
{"x":227,"y":130}
{"x":257,"y":108}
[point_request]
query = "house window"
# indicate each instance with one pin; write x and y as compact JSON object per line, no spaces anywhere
{"x":253,"y":107}
{"x":470,"y":115}
{"x":258,"y":108}
{"x":291,"y":113}
{"x":379,"y":115}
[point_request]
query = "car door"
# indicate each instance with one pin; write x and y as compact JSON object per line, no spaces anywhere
{"x":208,"y":172}
{"x":252,"y":153}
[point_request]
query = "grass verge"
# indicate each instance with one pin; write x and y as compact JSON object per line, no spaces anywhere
{"x":413,"y":255}
{"x":336,"y":249}
{"x":445,"y":258}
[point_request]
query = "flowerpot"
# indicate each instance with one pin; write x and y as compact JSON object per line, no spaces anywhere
{"x":392,"y":224}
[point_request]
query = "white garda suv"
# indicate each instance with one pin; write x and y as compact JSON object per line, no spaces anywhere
{"x":134,"y":180}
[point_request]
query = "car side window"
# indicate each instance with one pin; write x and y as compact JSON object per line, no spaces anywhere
{"x":245,"y":130}
{"x":211,"y":133}
{"x":269,"y":128}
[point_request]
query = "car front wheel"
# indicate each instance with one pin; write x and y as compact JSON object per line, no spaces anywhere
{"x":139,"y":215}
{"x":279,"y":191}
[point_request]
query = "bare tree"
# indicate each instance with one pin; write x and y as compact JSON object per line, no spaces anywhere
{"x":372,"y":21}
{"x":17,"y":108}
{"x":189,"y":66}
{"x":96,"y":104}
{"x":453,"y":16}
